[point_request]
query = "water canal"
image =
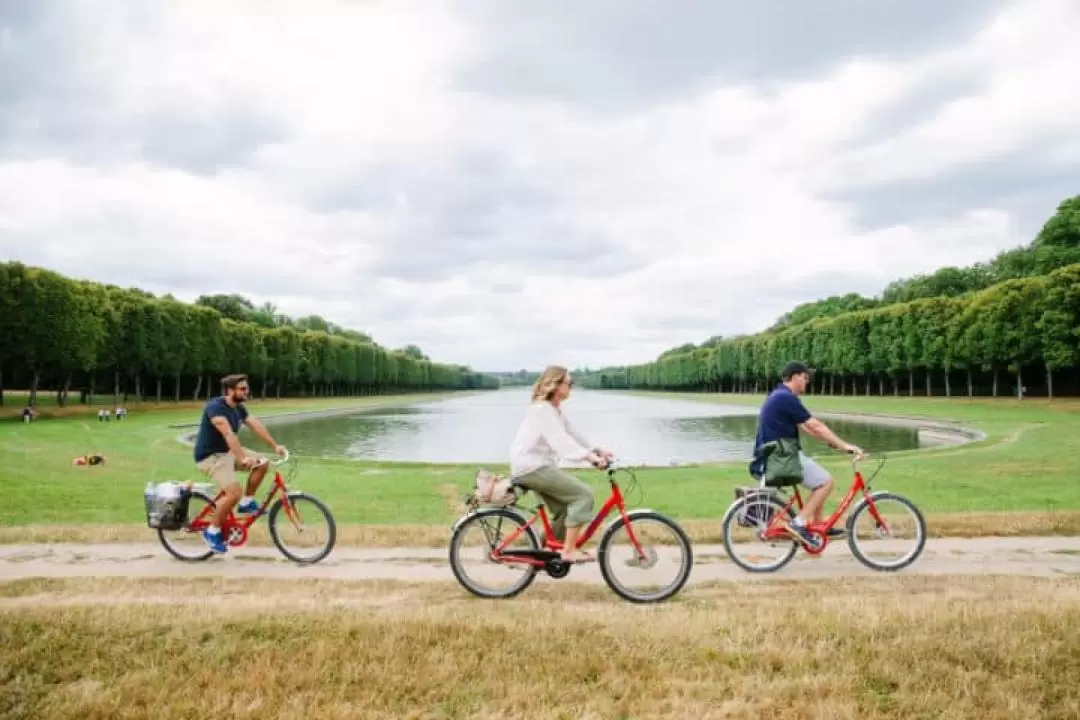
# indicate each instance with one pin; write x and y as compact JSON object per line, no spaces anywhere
{"x":479,"y":428}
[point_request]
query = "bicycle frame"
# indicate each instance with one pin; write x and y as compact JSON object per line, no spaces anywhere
{"x":858,"y":484}
{"x":552,"y":546}
{"x":233,"y":523}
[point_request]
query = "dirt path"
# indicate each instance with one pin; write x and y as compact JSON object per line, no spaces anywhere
{"x":1035,"y":556}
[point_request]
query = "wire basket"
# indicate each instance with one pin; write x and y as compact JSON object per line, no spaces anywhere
{"x":167,"y":506}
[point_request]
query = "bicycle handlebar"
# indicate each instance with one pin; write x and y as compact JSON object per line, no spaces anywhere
{"x":612,"y":466}
{"x":267,"y":461}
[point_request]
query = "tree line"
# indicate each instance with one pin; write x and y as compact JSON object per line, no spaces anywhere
{"x":519,"y":378}
{"x":1022,"y":332}
{"x":239,"y":308}
{"x":1017,"y":327}
{"x":1057,"y":245}
{"x":70,"y":335}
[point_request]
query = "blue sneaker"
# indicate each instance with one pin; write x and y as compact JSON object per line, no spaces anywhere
{"x":248,"y":507}
{"x":214,"y":541}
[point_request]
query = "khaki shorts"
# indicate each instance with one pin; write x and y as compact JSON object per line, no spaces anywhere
{"x":814,"y":476}
{"x":222,"y":467}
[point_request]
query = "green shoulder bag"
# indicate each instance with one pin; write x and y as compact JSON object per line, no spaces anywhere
{"x":782,"y":464}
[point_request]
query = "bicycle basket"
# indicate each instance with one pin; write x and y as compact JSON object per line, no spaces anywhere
{"x":167,"y":506}
{"x":757,"y":510}
{"x":492,"y":489}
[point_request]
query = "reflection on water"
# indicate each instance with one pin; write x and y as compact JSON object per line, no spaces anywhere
{"x":480,"y":428}
{"x":870,"y":437}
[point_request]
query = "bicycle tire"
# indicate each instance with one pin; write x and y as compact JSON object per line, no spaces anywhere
{"x":864,"y":506}
{"x":455,"y":548}
{"x":272,"y":519}
{"x":189,"y":558}
{"x":604,"y":557}
{"x":731,"y":516}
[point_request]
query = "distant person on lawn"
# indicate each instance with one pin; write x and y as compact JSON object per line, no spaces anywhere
{"x":219,"y":454}
{"x":782,"y":416}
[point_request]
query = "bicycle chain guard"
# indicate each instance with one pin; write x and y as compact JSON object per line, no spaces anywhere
{"x":237,"y":535}
{"x":821,"y":536}
{"x":556,"y":568}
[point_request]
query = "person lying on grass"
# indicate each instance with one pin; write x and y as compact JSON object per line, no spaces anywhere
{"x":92,"y":459}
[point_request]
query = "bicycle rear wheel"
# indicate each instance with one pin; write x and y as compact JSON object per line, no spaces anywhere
{"x":665,"y":549}
{"x":187,"y":543}
{"x":474,"y":568}
{"x":743,"y":528}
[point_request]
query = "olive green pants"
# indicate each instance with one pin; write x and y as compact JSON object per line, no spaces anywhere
{"x":568,"y":500}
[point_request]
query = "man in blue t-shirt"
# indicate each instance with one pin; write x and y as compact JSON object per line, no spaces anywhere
{"x":219,"y":454}
{"x":782,"y":416}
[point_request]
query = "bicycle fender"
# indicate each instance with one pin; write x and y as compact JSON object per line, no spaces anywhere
{"x":462,"y":519}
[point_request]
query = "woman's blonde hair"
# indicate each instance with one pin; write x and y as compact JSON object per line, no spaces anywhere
{"x":548,"y":382}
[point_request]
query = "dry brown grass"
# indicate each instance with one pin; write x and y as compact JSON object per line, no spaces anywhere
{"x":964,"y":525}
{"x":890,"y":647}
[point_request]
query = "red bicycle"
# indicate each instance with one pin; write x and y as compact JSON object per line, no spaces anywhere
{"x":180,"y":530}
{"x":656,"y":544}
{"x":760,"y":514}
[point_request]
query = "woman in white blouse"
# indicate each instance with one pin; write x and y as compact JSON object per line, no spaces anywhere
{"x":544,"y":437}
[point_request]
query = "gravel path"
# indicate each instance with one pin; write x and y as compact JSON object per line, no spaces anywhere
{"x":1028,"y":556}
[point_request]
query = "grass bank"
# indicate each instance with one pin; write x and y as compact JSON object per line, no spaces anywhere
{"x":1019,"y":480}
{"x":879,"y":648}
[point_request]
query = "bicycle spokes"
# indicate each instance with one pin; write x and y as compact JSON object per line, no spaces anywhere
{"x":187,"y":543}
{"x":646,"y":554}
{"x":887,"y":531}
{"x":754,"y":536}
{"x":643,"y":558}
{"x":485,"y":552}
{"x":302,"y":539}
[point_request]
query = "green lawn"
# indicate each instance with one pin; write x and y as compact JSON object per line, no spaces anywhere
{"x":1027,"y":463}
{"x":1028,"y":460}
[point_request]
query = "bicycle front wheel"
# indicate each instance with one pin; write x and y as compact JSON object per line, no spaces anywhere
{"x":474,"y":540}
{"x":308,"y":520}
{"x":886,"y":531}
{"x":653,"y":550}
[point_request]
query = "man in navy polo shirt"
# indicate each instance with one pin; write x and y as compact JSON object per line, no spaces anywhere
{"x":219,"y":454}
{"x":782,"y":416}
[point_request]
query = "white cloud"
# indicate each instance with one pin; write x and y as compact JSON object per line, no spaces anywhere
{"x":1027,"y":57}
{"x":502,"y":231}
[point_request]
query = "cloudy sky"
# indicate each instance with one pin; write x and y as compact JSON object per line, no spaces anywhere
{"x":513,"y":184}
